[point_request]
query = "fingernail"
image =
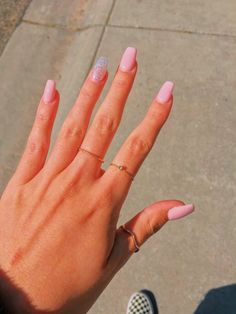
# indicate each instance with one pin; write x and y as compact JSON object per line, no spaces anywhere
{"x":99,"y":69}
{"x":49,"y":91}
{"x":180,"y":211}
{"x":165,"y":92}
{"x":128,"y":59}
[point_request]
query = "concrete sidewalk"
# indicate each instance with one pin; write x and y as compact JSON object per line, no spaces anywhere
{"x":192,"y":43}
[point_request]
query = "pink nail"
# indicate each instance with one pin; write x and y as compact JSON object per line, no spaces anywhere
{"x":180,"y":211}
{"x":165,"y":92}
{"x":128,"y":59}
{"x":49,"y":91}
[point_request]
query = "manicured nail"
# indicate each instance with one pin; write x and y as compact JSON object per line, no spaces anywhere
{"x":49,"y":91}
{"x":99,"y":69}
{"x":128,"y":59}
{"x":165,"y":92}
{"x":180,"y":211}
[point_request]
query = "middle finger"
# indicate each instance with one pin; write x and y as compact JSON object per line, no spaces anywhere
{"x":107,"y":119}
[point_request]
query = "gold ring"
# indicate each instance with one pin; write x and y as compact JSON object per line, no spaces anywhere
{"x":137,"y":247}
{"x":94,"y":155}
{"x":121,"y":167}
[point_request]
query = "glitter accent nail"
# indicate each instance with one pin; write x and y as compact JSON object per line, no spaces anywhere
{"x":99,"y":70}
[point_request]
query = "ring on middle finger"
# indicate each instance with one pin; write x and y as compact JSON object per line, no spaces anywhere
{"x":92,"y":154}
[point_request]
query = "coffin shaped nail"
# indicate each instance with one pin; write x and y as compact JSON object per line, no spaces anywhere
{"x":165,"y":92}
{"x":128,"y":59}
{"x":99,"y":69}
{"x":49,"y":91}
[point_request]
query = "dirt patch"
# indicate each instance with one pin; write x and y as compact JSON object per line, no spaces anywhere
{"x":11,"y":13}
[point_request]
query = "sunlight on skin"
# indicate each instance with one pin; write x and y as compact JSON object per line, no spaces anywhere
{"x":59,"y":237}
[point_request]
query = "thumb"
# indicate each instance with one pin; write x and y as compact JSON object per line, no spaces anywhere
{"x":144,"y":225}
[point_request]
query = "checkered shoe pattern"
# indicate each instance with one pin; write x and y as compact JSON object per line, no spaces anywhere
{"x":139,"y":303}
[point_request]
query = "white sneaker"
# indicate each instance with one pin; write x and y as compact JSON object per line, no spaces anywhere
{"x":142,"y":302}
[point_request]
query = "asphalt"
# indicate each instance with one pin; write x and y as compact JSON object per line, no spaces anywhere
{"x":189,"y":264}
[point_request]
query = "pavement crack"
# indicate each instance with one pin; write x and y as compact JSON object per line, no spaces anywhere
{"x":171,"y":30}
{"x":63,"y":27}
{"x":101,"y":37}
{"x":81,"y":29}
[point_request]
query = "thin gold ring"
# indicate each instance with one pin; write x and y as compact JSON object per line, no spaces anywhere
{"x":94,"y":155}
{"x":124,"y":168}
{"x":137,"y":247}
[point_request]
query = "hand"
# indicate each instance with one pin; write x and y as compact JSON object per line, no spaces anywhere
{"x":59,"y":239}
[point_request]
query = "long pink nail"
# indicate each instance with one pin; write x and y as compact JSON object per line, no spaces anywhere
{"x":165,"y":92}
{"x":49,"y":91}
{"x":99,"y":69}
{"x":128,"y":59}
{"x":180,"y":211}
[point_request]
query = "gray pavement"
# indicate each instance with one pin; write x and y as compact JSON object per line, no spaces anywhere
{"x":192,"y":43}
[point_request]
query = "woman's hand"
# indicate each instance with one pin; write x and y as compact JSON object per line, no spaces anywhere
{"x":59,"y":238}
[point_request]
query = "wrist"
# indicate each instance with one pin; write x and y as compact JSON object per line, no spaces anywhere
{"x":14,"y":300}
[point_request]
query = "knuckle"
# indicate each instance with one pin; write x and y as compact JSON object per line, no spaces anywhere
{"x":43,"y":116}
{"x":17,"y":198}
{"x":36,"y":146}
{"x":157,"y":115}
{"x":86,"y":93}
{"x":106,"y":198}
{"x":120,"y":82}
{"x":138,"y":145}
{"x":105,"y":124}
{"x":150,"y":229}
{"x":72,"y":131}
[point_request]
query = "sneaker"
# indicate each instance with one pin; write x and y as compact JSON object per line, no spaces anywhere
{"x":142,"y":302}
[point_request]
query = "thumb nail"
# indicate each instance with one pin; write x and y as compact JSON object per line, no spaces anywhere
{"x":180,"y":211}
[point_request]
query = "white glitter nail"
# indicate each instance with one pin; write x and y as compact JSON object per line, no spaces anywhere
{"x":99,"y":69}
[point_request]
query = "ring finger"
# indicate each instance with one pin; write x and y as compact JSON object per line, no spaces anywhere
{"x":75,"y":125}
{"x":107,"y":119}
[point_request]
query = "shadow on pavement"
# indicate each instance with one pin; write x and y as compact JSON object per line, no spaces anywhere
{"x":220,"y":300}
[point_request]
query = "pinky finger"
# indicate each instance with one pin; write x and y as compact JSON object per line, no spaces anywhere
{"x":36,"y":150}
{"x":143,"y":226}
